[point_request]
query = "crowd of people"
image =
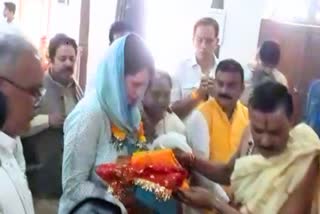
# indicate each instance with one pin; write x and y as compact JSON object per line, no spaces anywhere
{"x":243,"y":152}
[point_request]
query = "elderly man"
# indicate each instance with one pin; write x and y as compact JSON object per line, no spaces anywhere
{"x":21,"y":82}
{"x":276,"y":167}
{"x":45,"y":139}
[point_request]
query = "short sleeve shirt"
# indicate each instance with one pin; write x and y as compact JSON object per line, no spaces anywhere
{"x":188,"y":77}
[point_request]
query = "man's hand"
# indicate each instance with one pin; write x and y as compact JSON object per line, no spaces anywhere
{"x":202,"y":91}
{"x":184,"y":158}
{"x":211,"y":90}
{"x":56,"y":120}
{"x":196,"y":197}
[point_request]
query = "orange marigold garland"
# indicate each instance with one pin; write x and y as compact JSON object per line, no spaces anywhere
{"x":119,"y":137}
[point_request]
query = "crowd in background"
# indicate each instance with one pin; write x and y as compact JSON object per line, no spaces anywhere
{"x":241,"y":147}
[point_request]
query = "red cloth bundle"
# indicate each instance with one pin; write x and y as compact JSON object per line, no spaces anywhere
{"x":155,"y":171}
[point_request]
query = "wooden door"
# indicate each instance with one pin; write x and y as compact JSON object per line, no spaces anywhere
{"x":299,"y":52}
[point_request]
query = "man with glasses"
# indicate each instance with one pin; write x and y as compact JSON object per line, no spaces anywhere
{"x":44,"y":142}
{"x":21,"y":83}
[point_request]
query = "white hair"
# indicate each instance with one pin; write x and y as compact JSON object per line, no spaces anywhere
{"x":11,"y":48}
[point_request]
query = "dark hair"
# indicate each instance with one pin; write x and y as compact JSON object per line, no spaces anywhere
{"x":269,"y":53}
{"x":207,"y":21}
{"x":95,"y":205}
{"x":270,"y":95}
{"x":161,"y":74}
{"x":230,"y":65}
{"x":3,"y":109}
{"x":136,"y":55}
{"x":59,"y":40}
{"x":10,"y":6}
{"x":118,"y":27}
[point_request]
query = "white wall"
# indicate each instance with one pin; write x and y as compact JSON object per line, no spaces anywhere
{"x":169,"y":30}
{"x":242,"y":28}
{"x":2,"y":19}
{"x":169,"y":27}
{"x":102,"y":15}
{"x":65,"y":19}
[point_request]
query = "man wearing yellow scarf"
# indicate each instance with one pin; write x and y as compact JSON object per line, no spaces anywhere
{"x":216,"y":127}
{"x":276,"y":167}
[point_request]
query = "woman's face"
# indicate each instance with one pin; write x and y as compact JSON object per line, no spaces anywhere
{"x":136,"y":85}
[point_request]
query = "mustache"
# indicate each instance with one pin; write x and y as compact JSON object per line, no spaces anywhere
{"x":266,"y":148}
{"x":68,"y":69}
{"x":226,"y":96}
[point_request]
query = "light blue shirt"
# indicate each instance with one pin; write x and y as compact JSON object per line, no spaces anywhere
{"x":86,"y":145}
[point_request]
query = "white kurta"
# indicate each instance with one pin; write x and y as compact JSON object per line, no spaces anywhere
{"x":15,"y":196}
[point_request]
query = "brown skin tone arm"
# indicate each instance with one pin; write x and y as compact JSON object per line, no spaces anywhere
{"x":223,"y":207}
{"x":202,"y":198}
{"x":183,"y":107}
{"x":300,"y":201}
{"x":219,"y":172}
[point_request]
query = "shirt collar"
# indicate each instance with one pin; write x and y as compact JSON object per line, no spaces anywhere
{"x":193,"y":61}
{"x":70,"y":85}
{"x":7,"y":142}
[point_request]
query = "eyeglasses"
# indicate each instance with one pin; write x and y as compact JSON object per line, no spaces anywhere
{"x":36,"y":92}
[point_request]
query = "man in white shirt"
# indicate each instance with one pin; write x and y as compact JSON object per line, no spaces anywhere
{"x":10,"y":25}
{"x":21,"y":82}
{"x":195,"y":74}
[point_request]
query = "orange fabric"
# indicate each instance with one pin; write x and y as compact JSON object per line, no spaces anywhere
{"x":224,"y":134}
{"x":159,"y":158}
{"x":163,"y":157}
{"x":156,"y":171}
